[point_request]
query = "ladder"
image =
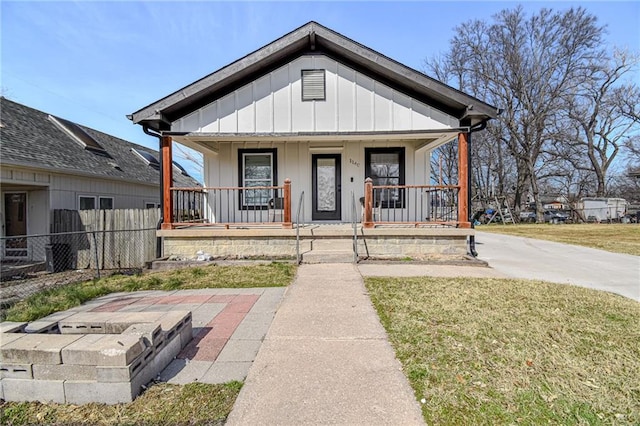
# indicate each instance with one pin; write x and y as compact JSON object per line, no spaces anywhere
{"x":505,"y":214}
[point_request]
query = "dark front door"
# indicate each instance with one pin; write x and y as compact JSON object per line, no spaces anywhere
{"x":15,"y":223}
{"x":326,"y":187}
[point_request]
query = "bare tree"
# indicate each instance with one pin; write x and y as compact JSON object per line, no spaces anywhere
{"x":527,"y":66}
{"x":444,"y":164}
{"x":604,"y":116}
{"x":194,"y":158}
{"x":491,"y":169}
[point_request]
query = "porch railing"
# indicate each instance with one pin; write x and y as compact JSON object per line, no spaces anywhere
{"x":417,"y":205}
{"x":226,"y":206}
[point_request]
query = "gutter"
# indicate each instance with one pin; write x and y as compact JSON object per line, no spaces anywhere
{"x":145,"y":129}
{"x":472,"y":238}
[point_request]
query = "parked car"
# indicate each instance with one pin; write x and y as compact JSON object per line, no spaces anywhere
{"x":552,"y":216}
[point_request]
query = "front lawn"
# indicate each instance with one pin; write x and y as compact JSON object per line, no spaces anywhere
{"x":503,"y":351}
{"x":616,"y":238}
{"x":61,"y":298}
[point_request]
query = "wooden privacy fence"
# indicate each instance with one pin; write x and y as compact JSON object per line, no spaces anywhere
{"x":106,"y":239}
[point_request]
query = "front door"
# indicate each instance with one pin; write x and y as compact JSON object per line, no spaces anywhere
{"x":15,"y":223}
{"x":326,"y":191}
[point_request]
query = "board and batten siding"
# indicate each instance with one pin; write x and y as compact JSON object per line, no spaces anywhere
{"x":294,"y":162}
{"x":273,"y":104}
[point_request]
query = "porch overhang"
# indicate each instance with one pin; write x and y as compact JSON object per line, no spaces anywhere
{"x":424,"y":139}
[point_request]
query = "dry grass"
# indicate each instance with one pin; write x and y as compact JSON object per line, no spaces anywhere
{"x":61,"y":298}
{"x":616,"y":238}
{"x":192,"y":404}
{"x":497,"y":351}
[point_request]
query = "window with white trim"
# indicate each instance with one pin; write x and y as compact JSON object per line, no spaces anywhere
{"x":257,"y":168}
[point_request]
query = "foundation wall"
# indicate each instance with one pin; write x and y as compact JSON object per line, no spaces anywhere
{"x":389,"y":243}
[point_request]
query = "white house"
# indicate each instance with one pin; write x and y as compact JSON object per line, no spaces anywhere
{"x":291,"y":132}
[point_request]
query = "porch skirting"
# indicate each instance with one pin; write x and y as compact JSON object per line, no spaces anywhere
{"x":230,"y":243}
{"x":272,"y":243}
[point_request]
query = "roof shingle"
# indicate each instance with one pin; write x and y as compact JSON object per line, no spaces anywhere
{"x":29,"y":138}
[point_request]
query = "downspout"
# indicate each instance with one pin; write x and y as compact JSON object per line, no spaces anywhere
{"x":145,"y":129}
{"x":472,"y":238}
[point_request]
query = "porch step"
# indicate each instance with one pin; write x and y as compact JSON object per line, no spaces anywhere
{"x":332,"y":244}
{"x":329,"y":250}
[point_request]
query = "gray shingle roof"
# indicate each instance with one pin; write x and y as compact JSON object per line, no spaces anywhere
{"x":29,"y":138}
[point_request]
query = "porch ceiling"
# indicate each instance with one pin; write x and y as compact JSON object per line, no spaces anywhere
{"x":424,"y":139}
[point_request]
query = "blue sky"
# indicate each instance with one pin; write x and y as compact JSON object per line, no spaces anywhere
{"x":94,"y":62}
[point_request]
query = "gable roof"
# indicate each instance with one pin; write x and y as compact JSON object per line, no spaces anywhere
{"x":30,"y":138}
{"x":314,"y":38}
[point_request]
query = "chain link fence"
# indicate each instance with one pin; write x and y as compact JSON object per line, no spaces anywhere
{"x":30,"y":264}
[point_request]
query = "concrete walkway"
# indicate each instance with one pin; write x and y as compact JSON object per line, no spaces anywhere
{"x":528,"y":258}
{"x":326,"y":359}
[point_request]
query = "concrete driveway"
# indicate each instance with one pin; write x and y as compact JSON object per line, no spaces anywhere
{"x":519,"y":257}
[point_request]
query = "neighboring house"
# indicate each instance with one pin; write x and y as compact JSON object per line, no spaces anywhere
{"x":50,"y":163}
{"x":307,"y":119}
{"x":559,"y":202}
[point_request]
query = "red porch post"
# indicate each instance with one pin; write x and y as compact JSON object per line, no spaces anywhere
{"x":167,"y":182}
{"x":368,"y":203}
{"x":287,"y":205}
{"x":463,"y":174}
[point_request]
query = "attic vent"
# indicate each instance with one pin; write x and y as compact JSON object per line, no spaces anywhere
{"x":313,"y":85}
{"x":148,"y":158}
{"x":78,"y":135}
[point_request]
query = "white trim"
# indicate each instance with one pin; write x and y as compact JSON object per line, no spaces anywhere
{"x":66,"y":172}
{"x":328,"y":149}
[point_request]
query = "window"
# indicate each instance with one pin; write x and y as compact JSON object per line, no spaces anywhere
{"x":106,"y":203}
{"x":87,"y":203}
{"x":147,"y":157}
{"x":313,"y":85}
{"x":257,"y":168}
{"x":78,"y":134}
{"x":151,"y":205}
{"x":385,"y":166}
